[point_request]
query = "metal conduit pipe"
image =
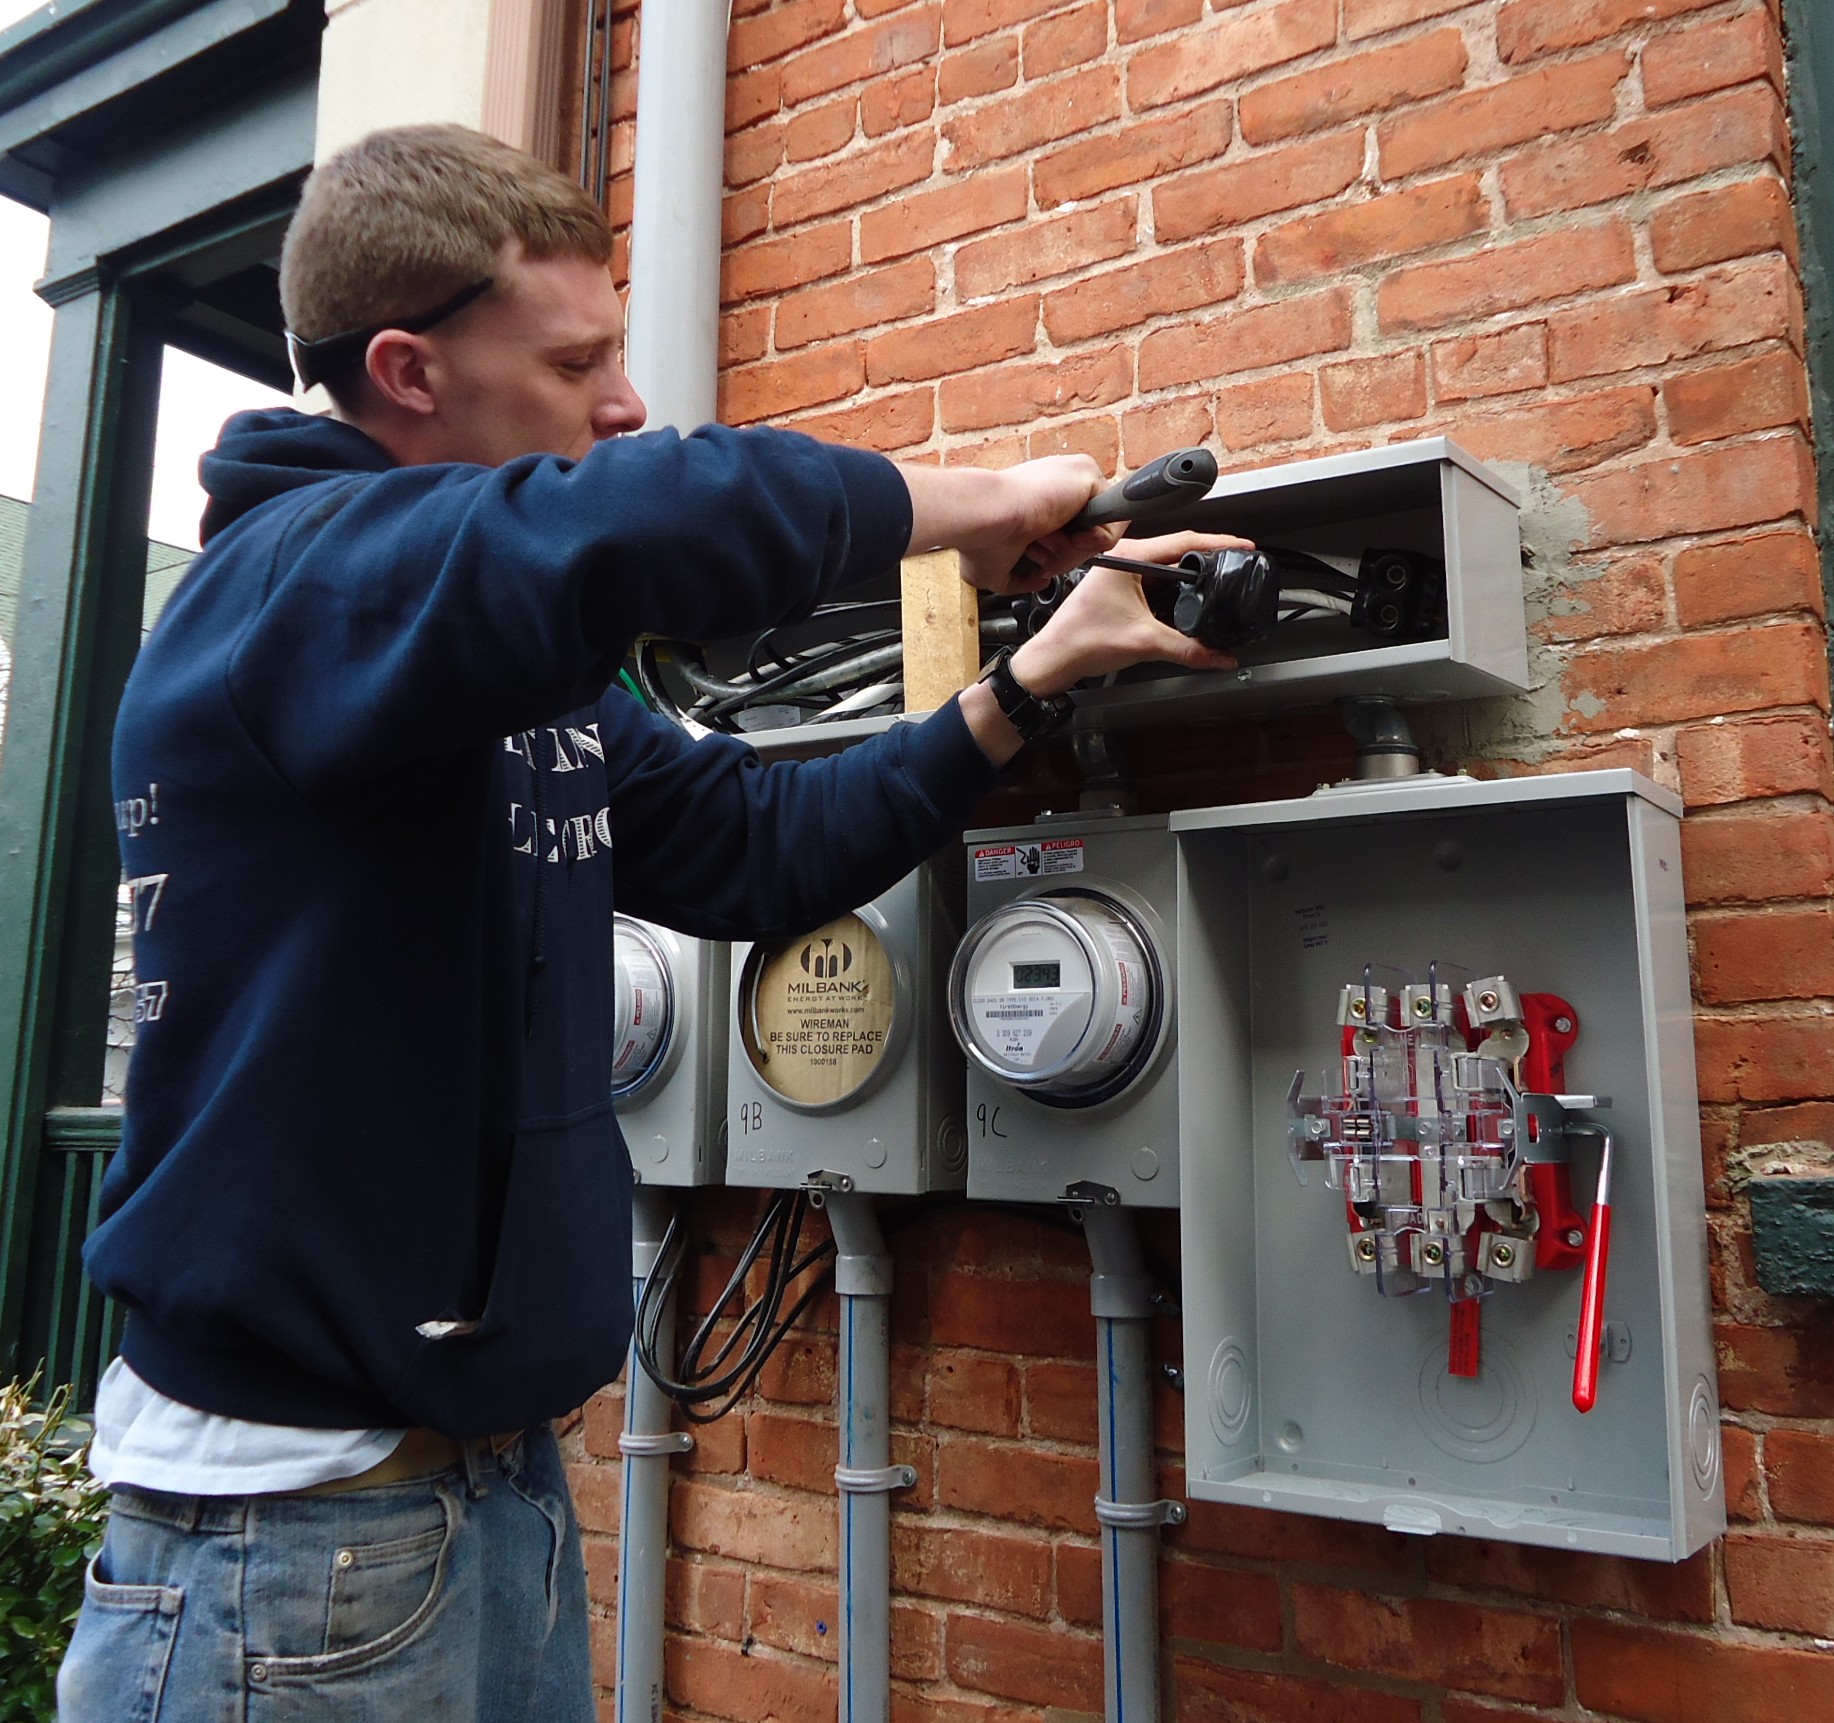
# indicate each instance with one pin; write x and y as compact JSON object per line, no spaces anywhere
{"x":647,"y":1446}
{"x":1129,"y":1513}
{"x":865,"y":1476}
{"x":678,"y":183}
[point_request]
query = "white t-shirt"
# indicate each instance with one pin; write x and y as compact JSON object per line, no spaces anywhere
{"x":145,"y":1439}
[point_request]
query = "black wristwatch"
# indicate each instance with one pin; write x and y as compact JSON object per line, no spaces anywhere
{"x":1027,"y":714}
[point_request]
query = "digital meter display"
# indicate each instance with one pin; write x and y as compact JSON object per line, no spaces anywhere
{"x":1037,"y":975}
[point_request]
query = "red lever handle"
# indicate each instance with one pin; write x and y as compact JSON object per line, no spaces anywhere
{"x":1592,"y":1296}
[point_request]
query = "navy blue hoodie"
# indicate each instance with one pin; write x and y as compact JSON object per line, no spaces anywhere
{"x":372,"y":773}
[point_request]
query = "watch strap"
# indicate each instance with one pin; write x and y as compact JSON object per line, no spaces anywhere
{"x":1031,"y":716}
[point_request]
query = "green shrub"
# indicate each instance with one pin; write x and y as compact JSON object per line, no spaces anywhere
{"x":51,"y":1514}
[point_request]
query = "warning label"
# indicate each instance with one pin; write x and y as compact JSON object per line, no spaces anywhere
{"x":1029,"y":861}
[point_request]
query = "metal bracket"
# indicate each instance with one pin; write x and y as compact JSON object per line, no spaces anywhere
{"x":1088,"y":1191}
{"x":821,"y":1183}
{"x":1614,"y":1347}
{"x":1138,"y":1516}
{"x":873,"y":1480}
{"x":644,"y":1447}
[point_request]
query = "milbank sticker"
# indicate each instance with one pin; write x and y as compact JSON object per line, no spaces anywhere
{"x":1028,"y":861}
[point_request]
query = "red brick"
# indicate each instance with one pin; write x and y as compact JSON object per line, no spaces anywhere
{"x":1478,"y":123}
{"x":793,"y":1615}
{"x":1222,"y":1606}
{"x":1382,"y":227}
{"x":855,"y":179}
{"x":1738,"y":1449}
{"x":1135,"y":20}
{"x":1060,"y":108}
{"x":1069,"y":39}
{"x":1652,"y":1677}
{"x":1730,"y":221}
{"x":1230,"y":50}
{"x":860,"y":301}
{"x":1017,"y":1484}
{"x":1526,"y":28}
{"x":799,"y":1452}
{"x":1744,"y":955}
{"x":1147,"y":432}
{"x":1079,"y":1583}
{"x":1754,"y":758}
{"x":888,"y":104}
{"x":969,"y":1392}
{"x":745,"y":214}
{"x":1769,"y":1126}
{"x":1273,"y":410}
{"x":1019,"y":395}
{"x":782,"y":30}
{"x":976,"y":1567}
{"x":1193,"y":277}
{"x":1785,"y":1583}
{"x":1060,"y":1398}
{"x":781,"y":1529}
{"x":1562,"y":436}
{"x":1016,"y":1660}
{"x":1227,"y":197}
{"x":596,"y":1492}
{"x":1711,"y":489}
{"x":1373,"y":17}
{"x":753,"y":96}
{"x":1708,"y":57}
{"x":964,"y":20}
{"x":754,"y":392}
{"x":800,"y":1373}
{"x":902,"y":421}
{"x":978,"y":71}
{"x":1729,"y":400}
{"x":1370,"y":82}
{"x":1726,"y":308}
{"x":754,"y":154}
{"x":1045,"y":248}
{"x":1505,"y":363}
{"x":768,"y":267}
{"x":1248,"y":340}
{"x":1682,"y":1591}
{"x":1506,"y":277}
{"x":705,"y":1597}
{"x":1740,"y":129}
{"x":712,"y":1676}
{"x":822,"y":131}
{"x":718,"y":1448}
{"x":1459,"y":1645}
{"x":1758,"y":853}
{"x":1692,"y":675}
{"x":1206,"y":1692}
{"x":1098,"y":437}
{"x":1381,"y":391}
{"x":946,"y":345}
{"x":1785,"y":1371}
{"x":1613,"y":596}
{"x":1143,"y":150}
{"x":1799,"y":1468}
{"x":929,"y":218}
{"x":862,"y":54}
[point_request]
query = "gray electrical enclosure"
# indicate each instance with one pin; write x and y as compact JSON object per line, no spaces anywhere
{"x":1309,"y":1391}
{"x":673,"y":1109}
{"x":1120,"y":1131}
{"x":842,"y":1071}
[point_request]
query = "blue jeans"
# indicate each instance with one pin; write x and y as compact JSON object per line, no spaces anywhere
{"x":460,"y":1596}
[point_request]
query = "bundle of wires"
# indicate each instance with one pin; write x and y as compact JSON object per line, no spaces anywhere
{"x":1311,"y":586}
{"x":714,"y":1373}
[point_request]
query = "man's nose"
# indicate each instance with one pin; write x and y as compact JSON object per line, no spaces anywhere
{"x":621,"y":409}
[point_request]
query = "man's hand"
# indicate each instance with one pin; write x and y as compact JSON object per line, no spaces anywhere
{"x":1007,"y":523}
{"x":1103,"y":625}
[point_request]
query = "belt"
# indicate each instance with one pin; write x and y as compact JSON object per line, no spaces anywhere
{"x":419,"y":1454}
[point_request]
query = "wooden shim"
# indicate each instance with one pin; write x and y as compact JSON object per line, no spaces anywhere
{"x":942,"y":630}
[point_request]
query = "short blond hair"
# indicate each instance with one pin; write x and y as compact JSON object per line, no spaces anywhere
{"x":402,"y":220}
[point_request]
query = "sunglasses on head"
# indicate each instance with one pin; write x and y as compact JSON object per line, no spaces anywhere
{"x":314,"y":361}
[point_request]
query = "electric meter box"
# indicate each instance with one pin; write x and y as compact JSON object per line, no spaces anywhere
{"x":842,"y":1072}
{"x":669,"y":1067}
{"x":1310,"y":1391}
{"x":1429,"y":499}
{"x":1062,"y":999}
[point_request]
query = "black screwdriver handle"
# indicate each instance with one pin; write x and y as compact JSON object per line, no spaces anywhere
{"x":1167,"y":483}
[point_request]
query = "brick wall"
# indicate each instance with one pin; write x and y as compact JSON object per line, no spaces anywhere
{"x":1560,"y":230}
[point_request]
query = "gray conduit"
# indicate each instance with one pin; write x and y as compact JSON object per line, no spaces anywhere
{"x":647,"y":1445}
{"x":865,"y":1476}
{"x":1127,"y":1509}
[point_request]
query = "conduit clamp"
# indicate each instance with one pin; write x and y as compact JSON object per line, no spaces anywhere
{"x":645,"y":1447}
{"x":873,"y":1480}
{"x":1139,"y":1516}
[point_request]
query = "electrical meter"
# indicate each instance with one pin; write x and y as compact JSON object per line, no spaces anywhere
{"x":668,"y":1068}
{"x":1061,"y":998}
{"x":841,"y":1073}
{"x":1058,"y":995}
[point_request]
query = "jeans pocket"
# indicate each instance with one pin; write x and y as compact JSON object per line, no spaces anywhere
{"x":381,"y":1595}
{"x":115,"y":1669}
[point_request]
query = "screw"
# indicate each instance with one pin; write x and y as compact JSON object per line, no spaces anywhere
{"x":1365,"y":1249}
{"x":1433,"y":1255}
{"x":1359,"y":1008}
{"x":1423,"y":1007}
{"x":1487,"y":1001}
{"x":1574,"y":1237}
{"x":1503,"y":1255}
{"x":1563,"y":1025}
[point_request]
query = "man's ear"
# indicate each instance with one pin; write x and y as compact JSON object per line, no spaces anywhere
{"x":397,"y":366}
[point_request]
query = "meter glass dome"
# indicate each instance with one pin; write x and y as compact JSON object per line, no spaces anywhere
{"x":645,"y":1007}
{"x":1058,"y":995}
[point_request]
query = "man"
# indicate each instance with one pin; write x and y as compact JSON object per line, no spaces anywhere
{"x":370,"y":1217}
